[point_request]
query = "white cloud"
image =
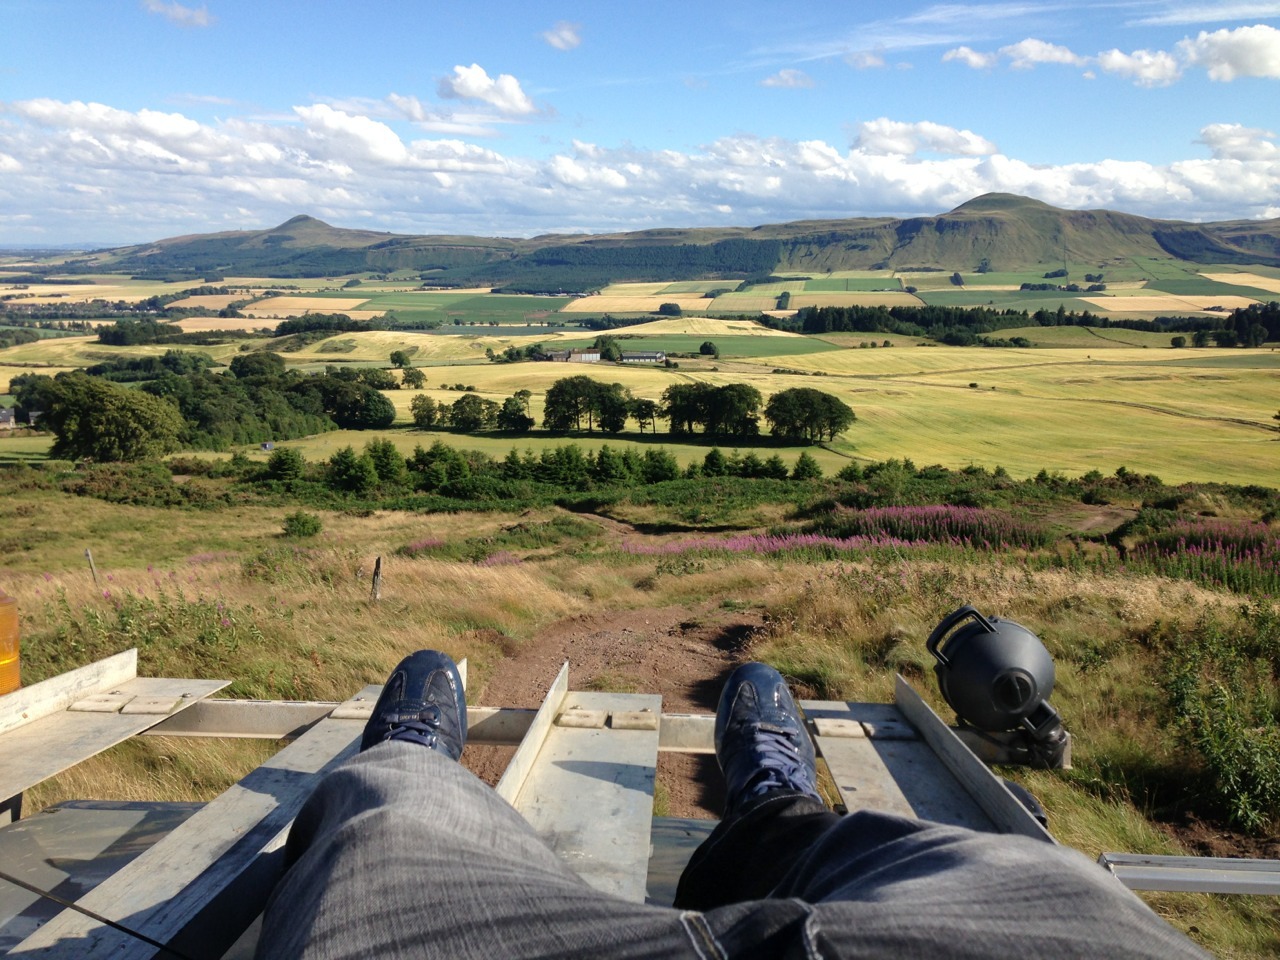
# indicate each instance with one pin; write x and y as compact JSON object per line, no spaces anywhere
{"x":789,"y":79}
{"x":963,"y":13}
{"x":574,"y":172}
{"x":1022,"y":55}
{"x":93,"y":171}
{"x":1210,"y":13}
{"x":1146,"y":68}
{"x":353,"y":135}
{"x":971,"y":58}
{"x":865,"y":60}
{"x":1224,"y":54}
{"x":473,"y":83}
{"x":885,"y":136}
{"x":178,"y":14}
{"x":1243,"y":52}
{"x":564,"y":35}
{"x":1232,"y":141}
{"x":1025,"y":54}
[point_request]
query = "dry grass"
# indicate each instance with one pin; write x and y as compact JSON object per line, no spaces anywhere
{"x":144,"y":768}
{"x":1167,"y":303}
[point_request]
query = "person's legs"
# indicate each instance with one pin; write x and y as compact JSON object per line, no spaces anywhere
{"x":872,"y":884}
{"x":880,"y":883}
{"x":401,"y":852}
{"x":772,"y":808}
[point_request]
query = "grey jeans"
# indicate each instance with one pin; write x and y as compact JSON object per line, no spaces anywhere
{"x":403,"y":853}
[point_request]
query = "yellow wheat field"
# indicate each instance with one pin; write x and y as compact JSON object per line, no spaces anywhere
{"x":296,"y":306}
{"x":1167,"y":303}
{"x":1246,"y":280}
{"x":208,"y":301}
{"x":205,"y":324}
{"x":705,"y":326}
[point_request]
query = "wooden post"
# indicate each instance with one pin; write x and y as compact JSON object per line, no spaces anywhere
{"x":376,"y":594}
{"x":92,"y":569}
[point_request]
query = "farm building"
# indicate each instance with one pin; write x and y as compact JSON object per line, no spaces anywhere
{"x":644,"y":356}
{"x":574,"y":356}
{"x":8,"y":420}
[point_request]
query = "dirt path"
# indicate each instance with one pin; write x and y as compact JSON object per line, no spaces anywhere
{"x":682,"y":653}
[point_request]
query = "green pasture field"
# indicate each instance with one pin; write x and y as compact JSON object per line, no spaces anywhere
{"x":42,"y":333}
{"x":1160,"y":268}
{"x":777,"y":288}
{"x":1204,"y":287}
{"x":838,"y":285}
{"x":24,"y":449}
{"x":1029,"y":300}
{"x":994,"y":278}
{"x":482,"y":308}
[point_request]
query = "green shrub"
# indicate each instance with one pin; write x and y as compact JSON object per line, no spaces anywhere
{"x":300,"y":524}
{"x":1221,"y":688}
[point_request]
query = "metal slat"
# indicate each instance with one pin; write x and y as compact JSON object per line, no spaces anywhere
{"x":1194,"y":874}
{"x":1005,"y":810}
{"x":29,"y":704}
{"x":878,"y":762}
{"x":589,"y":794}
{"x":220,"y":861}
{"x":42,"y":748}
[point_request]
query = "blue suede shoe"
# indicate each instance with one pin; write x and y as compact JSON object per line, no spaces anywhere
{"x":422,"y":702}
{"x":761,"y":741}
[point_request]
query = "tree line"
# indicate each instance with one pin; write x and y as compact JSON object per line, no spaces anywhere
{"x":960,"y":326}
{"x":582,"y":403}
{"x":381,"y":471}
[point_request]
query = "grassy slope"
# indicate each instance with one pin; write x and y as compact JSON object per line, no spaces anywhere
{"x":846,"y":626}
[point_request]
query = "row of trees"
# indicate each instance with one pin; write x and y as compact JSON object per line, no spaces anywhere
{"x":582,"y":403}
{"x":382,"y":470}
{"x":1248,"y":326}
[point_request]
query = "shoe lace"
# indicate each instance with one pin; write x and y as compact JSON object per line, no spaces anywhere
{"x":777,"y":755}
{"x":424,"y":730}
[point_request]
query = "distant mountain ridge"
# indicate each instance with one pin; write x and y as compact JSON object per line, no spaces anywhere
{"x":1002,"y":231}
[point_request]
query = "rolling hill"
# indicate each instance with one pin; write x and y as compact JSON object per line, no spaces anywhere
{"x":1004,"y":231}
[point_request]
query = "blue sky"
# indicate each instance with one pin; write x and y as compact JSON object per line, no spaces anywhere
{"x":131,"y":120}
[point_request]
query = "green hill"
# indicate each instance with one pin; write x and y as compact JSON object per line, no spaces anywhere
{"x":999,"y":232}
